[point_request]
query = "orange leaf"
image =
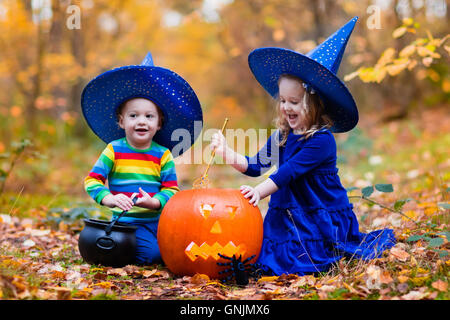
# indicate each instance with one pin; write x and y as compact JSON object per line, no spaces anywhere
{"x":199,"y":278}
{"x":399,"y":254}
{"x":105,"y":285}
{"x":385,"y":277}
{"x":440,"y":285}
{"x":267,"y":279}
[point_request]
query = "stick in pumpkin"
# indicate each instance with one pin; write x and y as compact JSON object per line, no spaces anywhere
{"x":203,"y":182}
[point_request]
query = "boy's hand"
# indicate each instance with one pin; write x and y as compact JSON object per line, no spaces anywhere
{"x":146,"y":201}
{"x":248,"y":191}
{"x":119,"y":200}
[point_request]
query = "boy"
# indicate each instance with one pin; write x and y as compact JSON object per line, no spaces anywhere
{"x":127,"y":108}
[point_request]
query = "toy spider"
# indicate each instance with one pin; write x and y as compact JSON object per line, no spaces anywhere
{"x":241,"y":270}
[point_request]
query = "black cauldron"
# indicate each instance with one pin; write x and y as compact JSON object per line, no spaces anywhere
{"x":109,"y":243}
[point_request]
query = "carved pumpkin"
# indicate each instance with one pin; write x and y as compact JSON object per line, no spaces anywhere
{"x":195,"y":225}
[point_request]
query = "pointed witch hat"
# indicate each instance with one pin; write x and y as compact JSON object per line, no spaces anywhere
{"x":170,"y":92}
{"x":317,"y":69}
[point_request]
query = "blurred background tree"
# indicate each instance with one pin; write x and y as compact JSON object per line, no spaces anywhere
{"x":46,"y":60}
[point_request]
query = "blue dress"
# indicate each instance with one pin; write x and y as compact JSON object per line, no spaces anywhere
{"x":310,"y":223}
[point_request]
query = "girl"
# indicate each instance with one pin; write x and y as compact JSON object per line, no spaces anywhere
{"x":310,"y":223}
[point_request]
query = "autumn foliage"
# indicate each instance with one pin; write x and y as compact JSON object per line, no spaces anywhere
{"x":394,"y":164}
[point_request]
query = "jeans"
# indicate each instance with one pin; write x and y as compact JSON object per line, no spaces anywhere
{"x":147,"y":250}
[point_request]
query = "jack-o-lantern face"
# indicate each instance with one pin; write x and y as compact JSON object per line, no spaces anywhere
{"x":196,"y":225}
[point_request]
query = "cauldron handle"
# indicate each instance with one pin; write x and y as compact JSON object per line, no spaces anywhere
{"x":109,"y":226}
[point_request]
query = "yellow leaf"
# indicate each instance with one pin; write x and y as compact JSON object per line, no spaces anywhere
{"x":430,"y":211}
{"x":446,"y":85}
{"x":402,"y":279}
{"x":424,"y":51}
{"x":366,"y":75}
{"x":410,"y":214}
{"x":431,"y":47}
{"x":104,"y":284}
{"x":407,"y":51}
{"x":419,"y":281}
{"x":380,"y":75}
{"x":394,"y":70}
{"x":267,"y":279}
{"x":408,"y":21}
{"x":386,"y":57}
{"x":397,"y":33}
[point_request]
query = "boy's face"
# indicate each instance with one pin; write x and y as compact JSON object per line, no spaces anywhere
{"x":140,"y":120}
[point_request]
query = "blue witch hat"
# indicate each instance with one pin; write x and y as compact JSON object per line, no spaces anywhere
{"x":317,"y":69}
{"x":170,"y":92}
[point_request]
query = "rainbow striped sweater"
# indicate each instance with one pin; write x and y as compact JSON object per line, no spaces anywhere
{"x":127,"y":169}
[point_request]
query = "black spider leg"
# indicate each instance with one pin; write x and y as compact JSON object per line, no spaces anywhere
{"x":230,"y":264}
{"x":255,"y":269}
{"x":240,"y":270}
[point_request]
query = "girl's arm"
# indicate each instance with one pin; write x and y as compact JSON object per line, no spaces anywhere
{"x":261,"y":162}
{"x":262,"y":190}
{"x":254,"y":166}
{"x":236,"y":160}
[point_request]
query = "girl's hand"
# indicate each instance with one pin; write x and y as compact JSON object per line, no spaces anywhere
{"x":119,"y":200}
{"x":252,"y":193}
{"x":146,"y":201}
{"x":219,"y":143}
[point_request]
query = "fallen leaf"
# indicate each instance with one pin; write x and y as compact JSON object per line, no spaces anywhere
{"x":414,"y":295}
{"x":385,"y":277}
{"x":104,"y":285}
{"x":117,"y":272}
{"x":440,"y":285}
{"x":373,"y":280}
{"x":84,"y":293}
{"x":267,"y":279}
{"x":327,"y":288}
{"x":62,"y":293}
{"x":200,"y":278}
{"x":402,"y":279}
{"x":38,"y":233}
{"x":58,"y":275}
{"x":419,"y":281}
{"x":399,"y":254}
{"x":28,"y":243}
{"x":149,"y":273}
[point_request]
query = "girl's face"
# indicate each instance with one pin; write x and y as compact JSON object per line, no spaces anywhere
{"x":140,"y":120}
{"x":291,"y":96}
